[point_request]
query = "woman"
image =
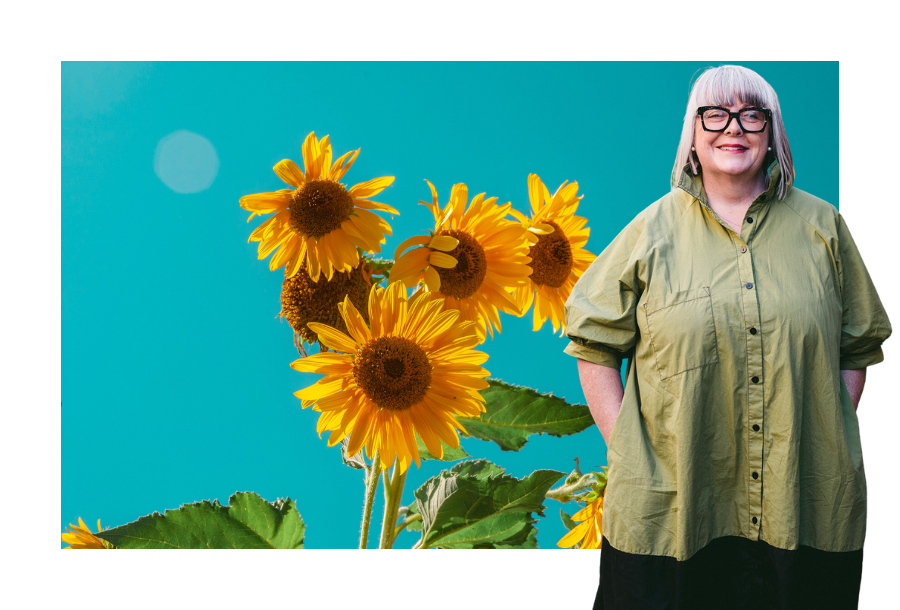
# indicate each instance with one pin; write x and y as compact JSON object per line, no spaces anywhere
{"x":748,"y":320}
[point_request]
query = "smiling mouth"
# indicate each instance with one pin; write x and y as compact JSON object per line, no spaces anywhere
{"x":733,"y":148}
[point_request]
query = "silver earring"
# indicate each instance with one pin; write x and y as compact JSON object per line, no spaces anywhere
{"x":770,"y":148}
{"x":692,"y":148}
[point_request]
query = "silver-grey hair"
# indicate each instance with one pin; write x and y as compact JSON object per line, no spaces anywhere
{"x":719,"y":87}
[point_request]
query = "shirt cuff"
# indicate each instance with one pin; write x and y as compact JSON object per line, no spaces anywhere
{"x":850,"y":362}
{"x":596,"y":356}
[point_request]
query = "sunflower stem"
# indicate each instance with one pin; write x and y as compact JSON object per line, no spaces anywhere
{"x":373,"y":473}
{"x":566,"y":493}
{"x":407,"y":521}
{"x":392,"y":495}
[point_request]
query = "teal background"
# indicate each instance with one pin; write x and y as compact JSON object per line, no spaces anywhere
{"x":175,"y":378}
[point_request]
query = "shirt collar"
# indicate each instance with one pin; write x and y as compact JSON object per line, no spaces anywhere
{"x":693,"y":185}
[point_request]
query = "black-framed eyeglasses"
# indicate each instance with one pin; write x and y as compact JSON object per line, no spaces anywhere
{"x":751,"y":120}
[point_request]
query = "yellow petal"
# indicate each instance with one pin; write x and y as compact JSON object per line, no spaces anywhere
{"x":293,"y":265}
{"x":432,"y":280}
{"x":575,"y":535}
{"x":371,"y":187}
{"x":320,"y":389}
{"x":334,"y":339}
{"x":260,"y":231}
{"x":283,"y":255}
{"x":288,"y":171}
{"x":374,"y":205}
{"x":324,"y":157}
{"x":366,"y":217}
{"x":338,"y":169}
{"x":407,"y":268}
{"x":312,"y":260}
{"x":355,"y":323}
{"x":439,"y":259}
{"x":542,"y":229}
{"x":311,"y":364}
{"x":311,"y":156}
{"x":360,"y":432}
{"x":266,"y":203}
{"x":428,"y":436}
{"x":417,"y":240}
{"x":443,"y":242}
{"x":519,"y":216}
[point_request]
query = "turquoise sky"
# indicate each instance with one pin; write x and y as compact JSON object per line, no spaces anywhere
{"x":175,"y":378}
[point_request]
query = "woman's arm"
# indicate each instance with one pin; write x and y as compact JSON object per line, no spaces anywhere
{"x":603,"y":390}
{"x":853,"y":379}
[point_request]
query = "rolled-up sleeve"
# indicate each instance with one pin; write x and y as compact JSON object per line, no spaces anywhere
{"x":865,"y":324}
{"x":600,"y":312}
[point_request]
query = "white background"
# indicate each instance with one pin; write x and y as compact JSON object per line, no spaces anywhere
{"x":38,"y":37}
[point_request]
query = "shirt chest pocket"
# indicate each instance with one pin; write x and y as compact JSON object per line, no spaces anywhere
{"x":682,"y":331}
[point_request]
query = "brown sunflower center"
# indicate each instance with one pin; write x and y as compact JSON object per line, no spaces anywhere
{"x":319,"y":207}
{"x":304,"y":301}
{"x":464,"y":279}
{"x":551,"y":258}
{"x":393,"y":372}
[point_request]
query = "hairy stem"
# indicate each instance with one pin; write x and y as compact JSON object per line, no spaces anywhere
{"x":408,"y":520}
{"x":373,"y":473}
{"x":392,"y":495}
{"x":564,"y":493}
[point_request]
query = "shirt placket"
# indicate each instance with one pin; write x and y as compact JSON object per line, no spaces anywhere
{"x":755,"y":379}
{"x":753,"y":425}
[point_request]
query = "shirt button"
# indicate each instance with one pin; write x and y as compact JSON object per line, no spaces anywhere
{"x":743,"y":249}
{"x":755,"y":475}
{"x":756,"y":427}
{"x":754,"y":520}
{"x":754,"y":379}
{"x":749,"y":285}
{"x":749,"y":219}
{"x":752,"y":331}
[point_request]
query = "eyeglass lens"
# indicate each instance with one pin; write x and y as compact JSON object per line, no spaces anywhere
{"x":751,"y":120}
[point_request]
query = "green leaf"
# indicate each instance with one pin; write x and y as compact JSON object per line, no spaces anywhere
{"x":248,"y":523}
{"x":381,"y":266}
{"x":514,"y":413}
{"x":480,"y":469}
{"x":450,"y":454}
{"x":479,"y":506}
{"x":357,"y":461}
{"x":567,"y":519}
{"x":529,"y":541}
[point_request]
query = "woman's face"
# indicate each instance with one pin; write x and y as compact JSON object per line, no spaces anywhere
{"x":732,"y":154}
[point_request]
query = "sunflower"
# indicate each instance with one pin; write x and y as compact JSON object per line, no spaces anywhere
{"x":318,"y":221}
{"x":556,"y":237}
{"x":410,"y":371}
{"x":471,"y":259}
{"x":80,"y":537}
{"x":590,"y":531}
{"x":304,"y":301}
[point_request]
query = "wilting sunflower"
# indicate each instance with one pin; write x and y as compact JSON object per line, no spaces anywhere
{"x":590,"y":531}
{"x":80,"y":537}
{"x":318,"y":221}
{"x":556,"y":237}
{"x":304,"y":301}
{"x":470,"y":259}
{"x":410,"y":370}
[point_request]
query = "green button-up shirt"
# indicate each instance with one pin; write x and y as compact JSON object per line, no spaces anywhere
{"x":735,"y":420}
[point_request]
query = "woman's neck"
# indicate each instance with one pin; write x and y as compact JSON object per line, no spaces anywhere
{"x":731,"y":193}
{"x":730,"y":198}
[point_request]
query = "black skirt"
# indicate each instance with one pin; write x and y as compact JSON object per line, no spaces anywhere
{"x":730,"y":573}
